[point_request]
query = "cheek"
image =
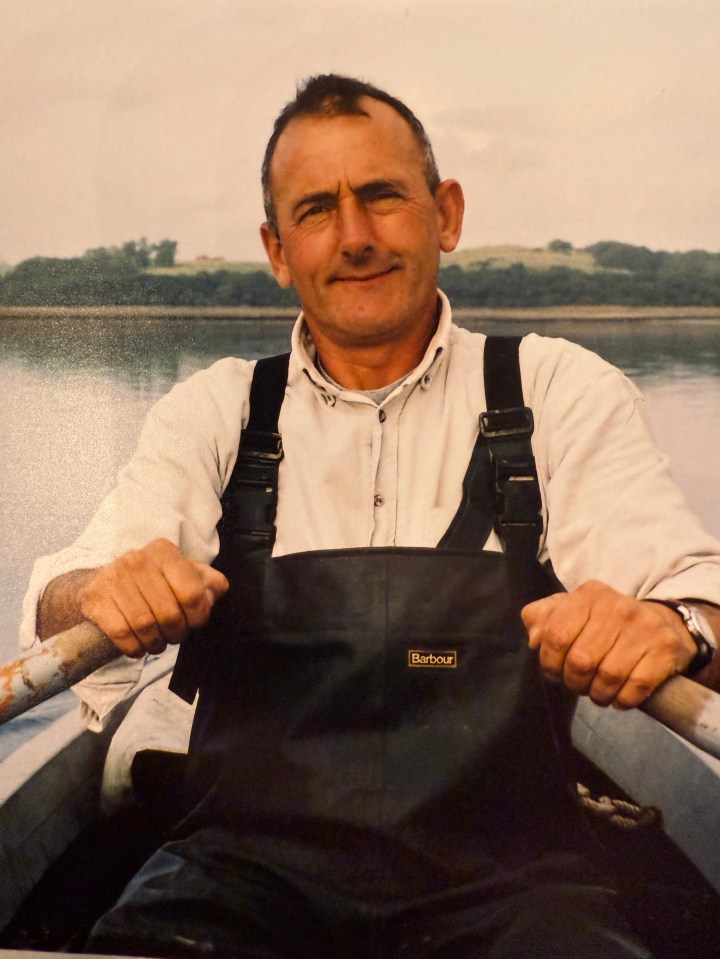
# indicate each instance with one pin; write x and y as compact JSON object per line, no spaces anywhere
{"x":307,"y":252}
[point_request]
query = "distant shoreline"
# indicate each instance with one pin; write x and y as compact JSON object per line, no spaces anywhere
{"x":595,"y":313}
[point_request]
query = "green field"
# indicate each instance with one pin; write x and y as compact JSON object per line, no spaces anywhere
{"x":192,"y":267}
{"x":495,"y":257}
{"x":501,"y":257}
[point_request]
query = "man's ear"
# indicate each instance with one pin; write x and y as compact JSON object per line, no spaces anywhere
{"x":275,"y":254}
{"x":449,"y":208}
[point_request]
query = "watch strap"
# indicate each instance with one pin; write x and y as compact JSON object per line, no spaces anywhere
{"x":706,"y":645}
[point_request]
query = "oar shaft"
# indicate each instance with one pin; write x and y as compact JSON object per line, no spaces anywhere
{"x":689,"y":709}
{"x":48,"y":669}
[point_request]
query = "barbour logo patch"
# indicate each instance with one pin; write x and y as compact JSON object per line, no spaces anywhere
{"x":432,"y":659}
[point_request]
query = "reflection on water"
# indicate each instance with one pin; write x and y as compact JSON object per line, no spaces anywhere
{"x":144,"y":352}
{"x":75,"y":391}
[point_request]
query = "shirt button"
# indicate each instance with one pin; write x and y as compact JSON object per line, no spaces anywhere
{"x":378,"y":500}
{"x":382,"y":416}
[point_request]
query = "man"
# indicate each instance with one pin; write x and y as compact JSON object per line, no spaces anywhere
{"x":372,"y":767}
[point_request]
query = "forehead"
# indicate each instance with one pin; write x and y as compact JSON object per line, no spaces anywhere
{"x":322,"y":150}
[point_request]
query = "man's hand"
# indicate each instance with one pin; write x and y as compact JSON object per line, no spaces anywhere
{"x":150,"y":597}
{"x":611,"y":647}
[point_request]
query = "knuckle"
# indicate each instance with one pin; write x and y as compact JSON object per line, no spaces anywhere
{"x":158,"y":646}
{"x":554,"y":641}
{"x":643,"y":687}
{"x":173,"y":620}
{"x":199,"y":614}
{"x":601,"y":697}
{"x":145,"y":625}
{"x":126,"y":642}
{"x":609,"y":676}
{"x":628,"y":698}
{"x":581,"y":661}
{"x":189,"y":591}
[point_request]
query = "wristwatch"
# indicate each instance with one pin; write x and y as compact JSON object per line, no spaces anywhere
{"x":700,"y":630}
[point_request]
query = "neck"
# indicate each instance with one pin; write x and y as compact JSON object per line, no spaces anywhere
{"x":367,"y":370}
{"x":375,"y":364}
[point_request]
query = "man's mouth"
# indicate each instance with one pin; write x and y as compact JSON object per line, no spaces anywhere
{"x":368,"y":277}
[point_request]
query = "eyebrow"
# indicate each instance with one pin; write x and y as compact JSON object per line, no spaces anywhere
{"x":310,"y":198}
{"x":365,"y":191}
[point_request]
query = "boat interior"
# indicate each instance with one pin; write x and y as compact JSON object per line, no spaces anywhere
{"x":653,"y":799}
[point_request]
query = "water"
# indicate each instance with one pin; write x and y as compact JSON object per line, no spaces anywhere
{"x":75,"y":390}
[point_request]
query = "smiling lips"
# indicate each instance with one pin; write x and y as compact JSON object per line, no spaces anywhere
{"x":363,"y":277}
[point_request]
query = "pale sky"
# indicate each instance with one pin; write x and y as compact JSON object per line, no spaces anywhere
{"x":576,"y":119}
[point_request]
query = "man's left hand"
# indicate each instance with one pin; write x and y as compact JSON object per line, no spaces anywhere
{"x":611,"y":647}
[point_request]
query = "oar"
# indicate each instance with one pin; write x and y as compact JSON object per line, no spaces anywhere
{"x":48,"y":669}
{"x":689,"y":709}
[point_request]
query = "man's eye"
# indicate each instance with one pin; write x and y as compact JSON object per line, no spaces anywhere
{"x":386,"y":200}
{"x":317,"y":209}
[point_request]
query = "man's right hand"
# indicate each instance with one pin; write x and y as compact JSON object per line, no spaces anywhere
{"x":150,"y":597}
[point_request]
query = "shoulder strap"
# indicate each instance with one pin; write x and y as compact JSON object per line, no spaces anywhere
{"x":507,"y":426}
{"x":500,"y":487}
{"x":249,"y":503}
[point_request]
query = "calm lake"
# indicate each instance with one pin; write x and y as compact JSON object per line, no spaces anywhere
{"x":75,"y":390}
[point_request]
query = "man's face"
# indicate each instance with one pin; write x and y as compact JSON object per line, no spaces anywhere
{"x":359,"y":233}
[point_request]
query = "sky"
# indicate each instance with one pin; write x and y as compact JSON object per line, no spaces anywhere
{"x":581,"y":120}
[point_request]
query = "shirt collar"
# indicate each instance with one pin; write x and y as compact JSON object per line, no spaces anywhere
{"x":303,"y":355}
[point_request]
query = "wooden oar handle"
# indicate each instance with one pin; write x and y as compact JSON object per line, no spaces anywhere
{"x":47,"y":670}
{"x":689,"y":709}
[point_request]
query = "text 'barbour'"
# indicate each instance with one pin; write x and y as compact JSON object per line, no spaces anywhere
{"x":418,"y":658}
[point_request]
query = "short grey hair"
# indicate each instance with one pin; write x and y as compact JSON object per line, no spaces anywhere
{"x":334,"y":95}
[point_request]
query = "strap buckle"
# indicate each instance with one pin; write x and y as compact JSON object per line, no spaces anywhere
{"x":515,"y":421}
{"x":259,"y":444}
{"x":249,"y":504}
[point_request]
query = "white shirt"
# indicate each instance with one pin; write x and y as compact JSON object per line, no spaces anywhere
{"x":360,"y":474}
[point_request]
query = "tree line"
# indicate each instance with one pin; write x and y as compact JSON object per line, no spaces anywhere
{"x":625,"y":275}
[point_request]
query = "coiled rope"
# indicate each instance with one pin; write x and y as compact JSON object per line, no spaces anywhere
{"x":619,"y":812}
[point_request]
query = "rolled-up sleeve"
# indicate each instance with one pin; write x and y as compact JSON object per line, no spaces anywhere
{"x":170,"y":488}
{"x":614,"y":511}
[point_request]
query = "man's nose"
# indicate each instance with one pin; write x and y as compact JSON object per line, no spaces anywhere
{"x":354,"y":225}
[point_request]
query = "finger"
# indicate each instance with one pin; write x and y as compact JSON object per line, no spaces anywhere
{"x":586,"y":654}
{"x":194,"y":586}
{"x":169,"y":621}
{"x":559,"y":631}
{"x":614,"y":672}
{"x":648,"y":650}
{"x":649,"y":673}
{"x":140,"y":617}
{"x":534,"y":615}
{"x":112,"y":601}
{"x":115,"y":626}
{"x":215,"y":582}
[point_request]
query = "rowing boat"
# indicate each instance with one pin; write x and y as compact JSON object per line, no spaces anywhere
{"x":49,"y":792}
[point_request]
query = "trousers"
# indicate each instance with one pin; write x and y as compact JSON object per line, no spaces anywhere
{"x":198,"y":897}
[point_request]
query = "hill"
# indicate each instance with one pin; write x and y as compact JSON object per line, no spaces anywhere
{"x":539,"y":258}
{"x":145,"y":274}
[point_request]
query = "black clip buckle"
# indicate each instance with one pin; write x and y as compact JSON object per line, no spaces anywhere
{"x":516,"y":421}
{"x":261,"y":445}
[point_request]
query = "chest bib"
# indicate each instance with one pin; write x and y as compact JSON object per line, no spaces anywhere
{"x":375,"y":716}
